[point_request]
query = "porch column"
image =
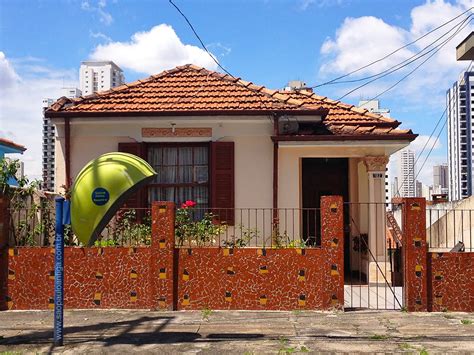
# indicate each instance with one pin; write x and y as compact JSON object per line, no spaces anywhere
{"x":376,"y":167}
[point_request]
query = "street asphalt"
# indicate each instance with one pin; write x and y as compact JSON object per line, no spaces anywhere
{"x":238,"y":332}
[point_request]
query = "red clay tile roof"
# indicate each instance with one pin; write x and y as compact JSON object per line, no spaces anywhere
{"x":192,"y":90}
{"x":8,"y":143}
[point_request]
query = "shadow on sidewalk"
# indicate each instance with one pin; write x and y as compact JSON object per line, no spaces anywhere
{"x":122,"y":332}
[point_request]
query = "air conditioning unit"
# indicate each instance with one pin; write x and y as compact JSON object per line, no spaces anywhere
{"x":288,"y":127}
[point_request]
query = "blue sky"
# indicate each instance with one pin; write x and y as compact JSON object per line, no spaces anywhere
{"x":267,"y":42}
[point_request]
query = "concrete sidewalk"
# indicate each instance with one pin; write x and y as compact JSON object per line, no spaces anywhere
{"x":239,"y":332}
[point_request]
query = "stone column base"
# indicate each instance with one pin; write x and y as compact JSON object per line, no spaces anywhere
{"x":379,"y":273}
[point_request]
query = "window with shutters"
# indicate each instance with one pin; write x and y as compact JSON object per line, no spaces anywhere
{"x":183,"y":173}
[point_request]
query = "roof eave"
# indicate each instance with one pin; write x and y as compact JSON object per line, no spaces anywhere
{"x":346,"y":137}
{"x":302,"y":112}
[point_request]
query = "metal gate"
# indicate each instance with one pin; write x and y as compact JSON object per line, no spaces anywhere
{"x":373,"y":277}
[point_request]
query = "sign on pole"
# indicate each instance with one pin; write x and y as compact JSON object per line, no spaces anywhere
{"x":59,"y":274}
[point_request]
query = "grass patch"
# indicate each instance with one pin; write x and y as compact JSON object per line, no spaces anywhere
{"x":378,"y":337}
{"x":423,"y":351}
{"x":206,"y":314}
{"x":449,"y":316}
{"x":466,"y":321}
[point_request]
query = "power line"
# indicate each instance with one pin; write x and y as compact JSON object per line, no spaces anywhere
{"x":436,"y":49}
{"x":392,"y":53}
{"x":199,"y":39}
{"x":426,"y":143}
{"x":422,"y":150}
{"x":418,"y":55}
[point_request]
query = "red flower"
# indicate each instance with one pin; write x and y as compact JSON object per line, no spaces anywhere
{"x":188,"y":204}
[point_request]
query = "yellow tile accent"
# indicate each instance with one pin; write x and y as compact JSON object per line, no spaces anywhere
{"x":10,"y":305}
{"x":185,"y":277}
{"x":133,"y":274}
{"x":418,"y":268}
{"x":301,"y":278}
{"x":228,"y":296}
{"x":11,"y":252}
{"x":11,"y":274}
{"x":263,"y":300}
{"x":261,"y":252}
{"x":334,"y":271}
{"x":415,"y":207}
{"x":100,"y":251}
{"x":99,"y":275}
{"x":52,"y":251}
{"x":162,"y":209}
{"x":162,"y":243}
{"x":162,"y":274}
{"x":225,"y":252}
{"x":263,"y":270}
{"x":299,"y":251}
{"x":185,"y":300}
{"x":333,"y":207}
{"x":439,"y":300}
{"x":161,"y":303}
{"x":133,"y":297}
{"x":301,"y":303}
{"x":97,"y":296}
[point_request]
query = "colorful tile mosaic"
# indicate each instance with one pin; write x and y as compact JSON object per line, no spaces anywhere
{"x":92,"y":279}
{"x":451,"y":282}
{"x":415,"y":254}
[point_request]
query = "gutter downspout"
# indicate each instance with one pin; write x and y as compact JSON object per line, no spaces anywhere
{"x":67,"y":153}
{"x":275,"y":170}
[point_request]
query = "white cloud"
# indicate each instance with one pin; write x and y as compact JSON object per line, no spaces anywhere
{"x":100,"y":35}
{"x":21,"y":105}
{"x":423,"y":170}
{"x":359,"y":41}
{"x":424,"y":141}
{"x":104,"y":16}
{"x":8,"y":76}
{"x":153,"y":51}
{"x":304,"y":4}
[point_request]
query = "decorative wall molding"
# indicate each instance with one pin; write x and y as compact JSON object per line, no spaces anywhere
{"x":376,"y":162}
{"x":177,"y":132}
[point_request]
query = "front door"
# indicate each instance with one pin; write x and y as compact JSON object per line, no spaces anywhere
{"x":321,"y":177}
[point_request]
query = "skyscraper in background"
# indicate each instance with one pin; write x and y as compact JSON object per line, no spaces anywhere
{"x":459,"y":103}
{"x":406,"y":173}
{"x":99,"y":76}
{"x":440,"y":179}
{"x":49,"y":139}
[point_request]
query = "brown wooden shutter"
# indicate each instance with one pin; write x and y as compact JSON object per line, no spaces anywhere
{"x":222,"y":180}
{"x":138,"y":199}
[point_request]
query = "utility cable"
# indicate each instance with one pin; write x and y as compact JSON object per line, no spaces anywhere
{"x":393,"y":52}
{"x":435,"y":49}
{"x":418,"y":55}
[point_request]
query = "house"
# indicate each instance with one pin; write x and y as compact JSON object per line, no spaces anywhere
{"x":227,"y":143}
{"x":9,"y":147}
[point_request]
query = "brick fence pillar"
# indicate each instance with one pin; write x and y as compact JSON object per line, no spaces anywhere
{"x":4,"y":219}
{"x":415,"y":252}
{"x":332,"y":242}
{"x":162,"y":271}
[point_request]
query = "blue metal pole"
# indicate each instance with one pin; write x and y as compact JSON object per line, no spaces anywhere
{"x":59,"y":274}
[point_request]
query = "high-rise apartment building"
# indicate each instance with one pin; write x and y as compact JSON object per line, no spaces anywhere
{"x":440,"y":178}
{"x":406,"y":173}
{"x":374,"y":107}
{"x":49,"y":139}
{"x":459,"y":109}
{"x":99,"y":76}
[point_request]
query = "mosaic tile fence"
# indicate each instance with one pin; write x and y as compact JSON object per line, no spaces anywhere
{"x":163,"y":277}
